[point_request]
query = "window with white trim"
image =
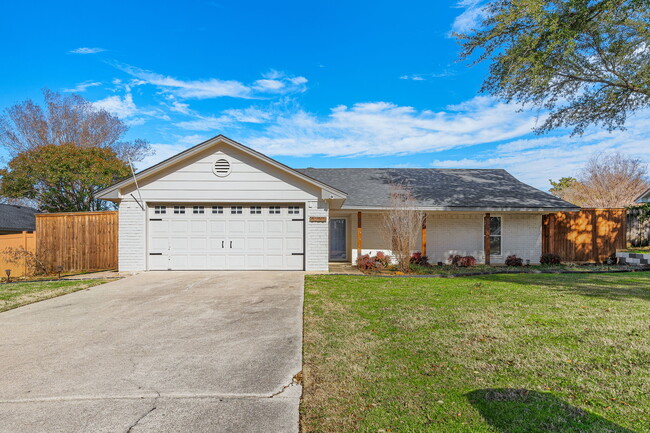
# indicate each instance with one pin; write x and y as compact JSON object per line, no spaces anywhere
{"x":256,"y":210}
{"x":160,"y":210}
{"x":274,"y":210}
{"x":217,"y":210}
{"x":198,"y":210}
{"x":495,"y":236}
{"x":236,"y":210}
{"x":294,"y":210}
{"x":179,"y":209}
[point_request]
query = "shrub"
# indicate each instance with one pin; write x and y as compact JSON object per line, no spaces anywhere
{"x":376,"y":262}
{"x":419,"y":259}
{"x":20,"y":256}
{"x":550,"y":259}
{"x":462,"y":261}
{"x":513,"y":260}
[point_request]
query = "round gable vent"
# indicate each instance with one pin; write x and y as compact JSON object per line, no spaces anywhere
{"x":221,"y":167}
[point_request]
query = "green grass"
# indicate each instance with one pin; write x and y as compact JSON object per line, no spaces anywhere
{"x":15,"y":295}
{"x":498,"y":353}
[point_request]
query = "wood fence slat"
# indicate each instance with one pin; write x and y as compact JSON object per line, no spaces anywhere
{"x":78,"y":241}
{"x":590,"y":235}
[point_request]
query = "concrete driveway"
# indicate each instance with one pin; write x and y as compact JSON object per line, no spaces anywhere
{"x":157,"y":352}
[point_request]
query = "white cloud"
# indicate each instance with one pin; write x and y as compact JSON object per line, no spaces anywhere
{"x":538,"y":159}
{"x":86,"y":50}
{"x":382,"y":128}
{"x":206,"y":123}
{"x":412,"y":77}
{"x":470,"y":18}
{"x":273,"y":82}
{"x":122,"y":107}
{"x":82,"y":87}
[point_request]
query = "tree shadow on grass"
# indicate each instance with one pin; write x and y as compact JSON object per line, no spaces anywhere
{"x":511,"y":410}
{"x":616,"y":286}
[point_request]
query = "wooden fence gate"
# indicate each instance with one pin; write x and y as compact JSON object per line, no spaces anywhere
{"x":590,"y":235}
{"x":24,"y":240}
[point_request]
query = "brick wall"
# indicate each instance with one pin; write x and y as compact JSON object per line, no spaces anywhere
{"x":132,"y":237}
{"x":316,"y":237}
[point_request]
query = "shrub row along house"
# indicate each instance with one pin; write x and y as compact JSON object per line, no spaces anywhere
{"x":221,"y":205}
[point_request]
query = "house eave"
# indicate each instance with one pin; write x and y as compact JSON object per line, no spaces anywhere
{"x":469,"y":209}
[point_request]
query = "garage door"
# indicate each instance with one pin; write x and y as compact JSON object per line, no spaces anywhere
{"x":226,"y":237}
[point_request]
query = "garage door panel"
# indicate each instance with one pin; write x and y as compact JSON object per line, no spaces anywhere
{"x":236,"y":227}
{"x":218,"y":227}
{"x":199,"y":226}
{"x":256,"y":227}
{"x":293,"y":245}
{"x":274,"y":244}
{"x":225,"y":241}
{"x":275,"y":227}
{"x":179,"y":226}
{"x":198,"y":244}
{"x":255,"y":244}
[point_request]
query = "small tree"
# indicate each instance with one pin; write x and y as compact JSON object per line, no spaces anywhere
{"x":402,"y":224}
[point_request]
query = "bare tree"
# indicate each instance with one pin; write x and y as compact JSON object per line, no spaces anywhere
{"x":68,"y":119}
{"x":608,"y":180}
{"x":402,"y":224}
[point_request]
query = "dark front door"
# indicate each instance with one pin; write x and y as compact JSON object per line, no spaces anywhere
{"x":338,"y":247}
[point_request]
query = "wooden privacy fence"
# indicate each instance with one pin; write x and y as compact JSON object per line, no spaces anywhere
{"x":20,"y":240}
{"x":79,"y":241}
{"x":638,"y":232}
{"x":590,"y":235}
{"x":76,"y":241}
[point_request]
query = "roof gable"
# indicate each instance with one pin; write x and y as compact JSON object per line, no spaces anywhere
{"x":113,"y":192}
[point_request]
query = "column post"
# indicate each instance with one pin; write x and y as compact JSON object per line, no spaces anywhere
{"x":486,"y":238}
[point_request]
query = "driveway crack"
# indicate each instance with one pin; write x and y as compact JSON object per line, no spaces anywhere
{"x":154,"y":406}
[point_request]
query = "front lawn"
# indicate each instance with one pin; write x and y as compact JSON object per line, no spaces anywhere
{"x":498,"y":353}
{"x":14,"y":295}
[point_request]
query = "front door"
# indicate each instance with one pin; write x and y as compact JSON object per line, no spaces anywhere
{"x":338,"y":244}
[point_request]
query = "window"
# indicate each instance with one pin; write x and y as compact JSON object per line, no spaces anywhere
{"x":198,"y":210}
{"x":274,"y":210}
{"x":236,"y":210}
{"x":294,"y":210}
{"x":495,"y":236}
{"x":256,"y":210}
{"x":179,"y":209}
{"x":217,"y":209}
{"x":160,"y":210}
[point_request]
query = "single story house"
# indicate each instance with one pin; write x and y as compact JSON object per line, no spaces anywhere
{"x":17,"y":219}
{"x":221,"y":205}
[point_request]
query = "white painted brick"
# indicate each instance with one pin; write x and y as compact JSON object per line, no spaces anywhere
{"x":132,"y":237}
{"x":316,"y":237}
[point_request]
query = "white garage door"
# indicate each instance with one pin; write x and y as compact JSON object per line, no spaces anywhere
{"x":226,"y":237}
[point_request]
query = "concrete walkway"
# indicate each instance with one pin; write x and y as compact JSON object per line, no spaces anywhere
{"x":157,"y":352}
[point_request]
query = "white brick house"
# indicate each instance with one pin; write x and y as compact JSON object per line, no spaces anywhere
{"x":221,"y":205}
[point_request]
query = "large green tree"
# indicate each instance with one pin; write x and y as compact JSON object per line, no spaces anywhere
{"x":62,"y":178}
{"x":586,"y":62}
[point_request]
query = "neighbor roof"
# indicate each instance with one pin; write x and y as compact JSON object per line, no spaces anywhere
{"x":438,"y":189}
{"x":643,"y":198}
{"x":17,"y":218}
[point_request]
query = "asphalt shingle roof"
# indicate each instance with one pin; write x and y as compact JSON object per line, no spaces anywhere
{"x":437,"y":188}
{"x":17,"y":218}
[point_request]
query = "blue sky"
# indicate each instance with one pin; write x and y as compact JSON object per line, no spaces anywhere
{"x":320,"y":84}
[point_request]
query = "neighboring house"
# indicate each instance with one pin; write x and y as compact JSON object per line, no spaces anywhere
{"x":17,"y":219}
{"x":644,"y":198}
{"x":222,"y":205}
